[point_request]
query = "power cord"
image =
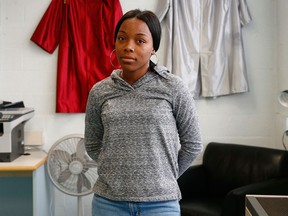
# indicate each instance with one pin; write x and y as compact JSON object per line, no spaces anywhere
{"x":285,"y":133}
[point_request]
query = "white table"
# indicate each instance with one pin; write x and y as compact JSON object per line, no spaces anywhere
{"x":24,"y":186}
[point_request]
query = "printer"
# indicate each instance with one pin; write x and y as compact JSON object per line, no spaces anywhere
{"x":12,"y":120}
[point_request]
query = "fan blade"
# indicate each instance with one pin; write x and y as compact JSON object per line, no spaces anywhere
{"x":86,"y":182}
{"x":79,"y":184}
{"x":83,"y":181}
{"x":80,"y":150}
{"x":73,"y":157}
{"x":62,"y":155}
{"x":64,"y":175}
{"x":90,"y":164}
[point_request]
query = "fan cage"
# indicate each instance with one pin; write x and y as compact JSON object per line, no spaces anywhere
{"x":66,"y":149}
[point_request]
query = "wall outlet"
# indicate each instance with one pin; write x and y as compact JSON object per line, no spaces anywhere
{"x":33,"y":138}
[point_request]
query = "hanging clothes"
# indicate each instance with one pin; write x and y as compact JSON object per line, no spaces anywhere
{"x":84,"y":31}
{"x":205,"y":44}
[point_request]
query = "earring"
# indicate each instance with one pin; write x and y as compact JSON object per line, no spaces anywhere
{"x":154,"y":58}
{"x":111,"y":61}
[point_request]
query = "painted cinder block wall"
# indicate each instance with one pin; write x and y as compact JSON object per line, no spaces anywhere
{"x":255,"y":118}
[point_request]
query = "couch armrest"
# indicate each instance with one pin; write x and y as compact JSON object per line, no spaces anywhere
{"x":234,"y":203}
{"x":193,"y":182}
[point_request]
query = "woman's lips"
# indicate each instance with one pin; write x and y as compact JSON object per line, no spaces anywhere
{"x":127,"y":59}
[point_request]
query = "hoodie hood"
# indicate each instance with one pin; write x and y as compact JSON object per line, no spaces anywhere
{"x":150,"y":75}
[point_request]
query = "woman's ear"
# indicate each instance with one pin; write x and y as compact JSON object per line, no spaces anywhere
{"x":153,"y":52}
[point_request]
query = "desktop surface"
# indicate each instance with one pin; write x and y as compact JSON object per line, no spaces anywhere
{"x":267,"y":205}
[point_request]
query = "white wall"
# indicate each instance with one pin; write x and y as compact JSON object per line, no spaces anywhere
{"x":28,"y":73}
{"x":282,"y":68}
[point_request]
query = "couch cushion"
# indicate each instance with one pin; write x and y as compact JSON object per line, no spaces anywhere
{"x":229,"y":165}
{"x":201,"y":207}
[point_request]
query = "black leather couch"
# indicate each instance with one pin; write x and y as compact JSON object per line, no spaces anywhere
{"x":218,"y":186}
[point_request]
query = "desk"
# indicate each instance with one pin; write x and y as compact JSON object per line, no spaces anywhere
{"x":24,"y":188}
{"x":266,"y":205}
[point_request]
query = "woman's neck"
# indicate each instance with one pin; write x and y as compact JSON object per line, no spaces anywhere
{"x":132,"y":77}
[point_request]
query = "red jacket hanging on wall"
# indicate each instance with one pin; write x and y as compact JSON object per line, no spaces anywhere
{"x":84,"y":30}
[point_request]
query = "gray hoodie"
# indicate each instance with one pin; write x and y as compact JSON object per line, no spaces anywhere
{"x":143,"y":136}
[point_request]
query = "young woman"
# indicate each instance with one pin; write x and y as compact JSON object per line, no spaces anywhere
{"x":141,"y":127}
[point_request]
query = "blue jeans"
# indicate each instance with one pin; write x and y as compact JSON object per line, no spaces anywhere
{"x":105,"y":207}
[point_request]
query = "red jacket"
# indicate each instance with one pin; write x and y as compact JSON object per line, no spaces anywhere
{"x":84,"y":31}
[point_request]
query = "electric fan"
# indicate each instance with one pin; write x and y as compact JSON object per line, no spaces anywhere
{"x":70,"y":168}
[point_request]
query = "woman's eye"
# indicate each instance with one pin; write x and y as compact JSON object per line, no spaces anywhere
{"x":120,"y":38}
{"x":141,"y":41}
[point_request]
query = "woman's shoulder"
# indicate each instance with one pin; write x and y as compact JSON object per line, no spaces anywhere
{"x":173,"y":82}
{"x":102,"y":84}
{"x":169,"y":77}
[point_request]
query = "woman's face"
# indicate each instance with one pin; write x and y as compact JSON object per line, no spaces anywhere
{"x":134,"y":46}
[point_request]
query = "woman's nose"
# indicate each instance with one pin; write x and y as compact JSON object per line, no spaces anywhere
{"x":129,"y":47}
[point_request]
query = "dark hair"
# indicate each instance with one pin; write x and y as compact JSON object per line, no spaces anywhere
{"x":149,"y":18}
